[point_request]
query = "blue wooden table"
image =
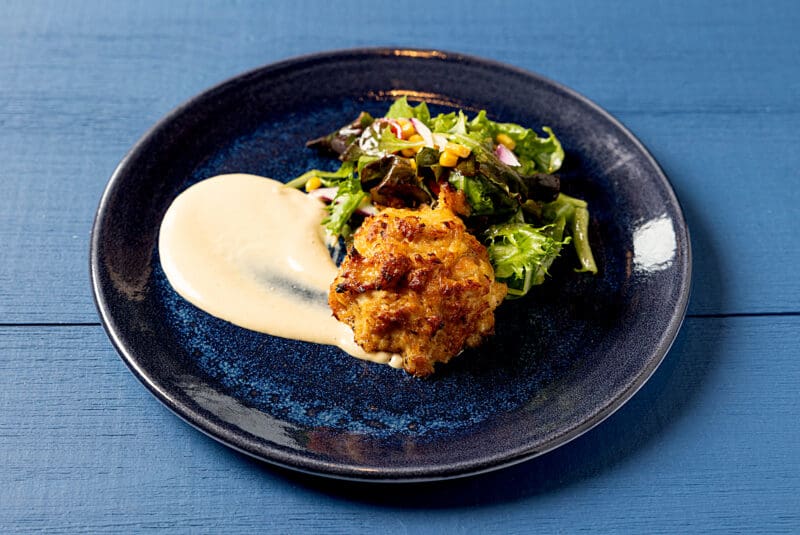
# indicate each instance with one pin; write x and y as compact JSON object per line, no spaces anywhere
{"x":712,"y":442}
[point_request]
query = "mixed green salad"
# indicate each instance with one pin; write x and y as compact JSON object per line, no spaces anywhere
{"x":505,"y":172}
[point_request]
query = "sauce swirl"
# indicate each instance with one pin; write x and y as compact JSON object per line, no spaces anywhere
{"x":251,"y":251}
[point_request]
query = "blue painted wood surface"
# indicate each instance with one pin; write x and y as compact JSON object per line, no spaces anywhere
{"x":711,"y":442}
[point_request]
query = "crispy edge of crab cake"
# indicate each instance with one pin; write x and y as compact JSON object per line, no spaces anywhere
{"x":416,"y":283}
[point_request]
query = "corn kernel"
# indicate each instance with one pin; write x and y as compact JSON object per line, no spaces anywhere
{"x":414,"y":164}
{"x":412,"y":151}
{"x":505,"y":140}
{"x":448,"y":159}
{"x":313,"y":183}
{"x":406,"y":128}
{"x":459,"y":150}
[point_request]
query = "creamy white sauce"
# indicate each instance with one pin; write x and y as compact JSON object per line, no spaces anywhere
{"x":251,"y":251}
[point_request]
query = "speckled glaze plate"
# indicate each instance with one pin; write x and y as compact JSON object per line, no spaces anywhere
{"x":562,"y":360}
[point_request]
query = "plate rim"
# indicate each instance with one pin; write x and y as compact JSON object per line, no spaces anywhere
{"x":350,"y":471}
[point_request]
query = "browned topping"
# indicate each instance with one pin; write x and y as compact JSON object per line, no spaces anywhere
{"x":418,"y":284}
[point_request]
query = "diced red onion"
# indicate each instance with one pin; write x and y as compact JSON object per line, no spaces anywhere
{"x":325,"y":194}
{"x":367,"y":209}
{"x":396,"y":128}
{"x":506,"y":156}
{"x":329,"y":194}
{"x":423,"y":131}
{"x":440,"y":141}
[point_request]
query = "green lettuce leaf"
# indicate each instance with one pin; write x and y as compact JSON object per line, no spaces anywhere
{"x":444,"y":122}
{"x":389,"y":143}
{"x":348,"y":198}
{"x":328,"y":178}
{"x":401,"y":109}
{"x":481,"y":128}
{"x":483,"y":197}
{"x":535,"y":153}
{"x":546,"y":152}
{"x":521,"y":254}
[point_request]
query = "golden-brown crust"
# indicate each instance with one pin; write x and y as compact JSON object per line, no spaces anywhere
{"x":455,"y":199}
{"x":416,"y":283}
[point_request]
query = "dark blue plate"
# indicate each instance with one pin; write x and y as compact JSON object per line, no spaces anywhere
{"x":562,"y":360}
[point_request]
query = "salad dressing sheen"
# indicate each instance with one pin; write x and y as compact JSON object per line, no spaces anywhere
{"x":251,"y":251}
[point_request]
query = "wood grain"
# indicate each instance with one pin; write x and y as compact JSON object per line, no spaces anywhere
{"x":710,"y":443}
{"x":709,"y":96}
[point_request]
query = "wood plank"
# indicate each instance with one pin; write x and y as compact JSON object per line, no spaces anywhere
{"x":710,"y":443}
{"x":681,"y":54}
{"x":80,"y":85}
{"x":740,"y":202}
{"x":741,"y":215}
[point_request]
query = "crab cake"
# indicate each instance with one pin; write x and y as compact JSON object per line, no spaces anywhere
{"x":416,"y":283}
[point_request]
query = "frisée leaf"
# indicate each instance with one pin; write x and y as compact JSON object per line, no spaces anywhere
{"x":348,"y":198}
{"x":521,"y":254}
